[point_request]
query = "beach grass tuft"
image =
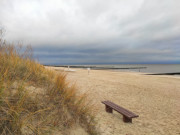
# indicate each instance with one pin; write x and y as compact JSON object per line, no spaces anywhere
{"x":35,"y":100}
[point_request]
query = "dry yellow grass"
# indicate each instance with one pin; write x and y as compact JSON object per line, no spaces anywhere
{"x":24,"y":111}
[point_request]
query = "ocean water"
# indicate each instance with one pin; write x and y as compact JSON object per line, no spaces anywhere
{"x":150,"y":68}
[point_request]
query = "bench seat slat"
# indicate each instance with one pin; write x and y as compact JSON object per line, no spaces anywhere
{"x":123,"y":110}
{"x":119,"y":109}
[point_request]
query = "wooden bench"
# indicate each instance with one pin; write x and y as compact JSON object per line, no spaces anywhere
{"x":127,"y":115}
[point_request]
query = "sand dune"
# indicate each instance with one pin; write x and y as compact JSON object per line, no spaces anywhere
{"x":156,"y":99}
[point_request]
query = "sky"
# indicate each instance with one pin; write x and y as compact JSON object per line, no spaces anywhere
{"x":95,"y":31}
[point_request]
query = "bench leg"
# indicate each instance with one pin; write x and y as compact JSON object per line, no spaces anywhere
{"x":109,"y":109}
{"x":126,"y":119}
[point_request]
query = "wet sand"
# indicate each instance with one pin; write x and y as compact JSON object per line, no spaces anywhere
{"x":156,"y":99}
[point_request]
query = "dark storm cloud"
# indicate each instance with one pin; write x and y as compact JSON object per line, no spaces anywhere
{"x":96,"y":31}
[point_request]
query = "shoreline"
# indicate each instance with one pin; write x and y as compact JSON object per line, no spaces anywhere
{"x":65,"y":68}
{"x":97,"y":67}
{"x":151,"y":69}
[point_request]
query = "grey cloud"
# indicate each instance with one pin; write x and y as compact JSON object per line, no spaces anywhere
{"x":105,"y":55}
{"x":95,"y":31}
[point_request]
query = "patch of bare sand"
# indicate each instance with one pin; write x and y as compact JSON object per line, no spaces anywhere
{"x":75,"y":130}
{"x":156,"y":99}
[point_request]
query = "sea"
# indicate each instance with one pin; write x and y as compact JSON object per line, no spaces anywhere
{"x":144,"y":68}
{"x":148,"y":68}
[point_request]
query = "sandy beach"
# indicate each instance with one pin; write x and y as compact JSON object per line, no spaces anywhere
{"x":156,"y":99}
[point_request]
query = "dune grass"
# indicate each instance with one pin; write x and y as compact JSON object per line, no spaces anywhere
{"x":52,"y":104}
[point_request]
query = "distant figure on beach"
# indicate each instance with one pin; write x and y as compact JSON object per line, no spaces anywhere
{"x":68,"y":68}
{"x":88,"y":70}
